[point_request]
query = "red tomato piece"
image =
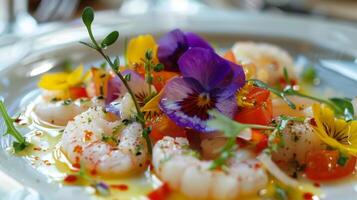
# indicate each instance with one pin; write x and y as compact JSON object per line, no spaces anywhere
{"x":78,"y":92}
{"x":261,"y":113}
{"x":322,"y":165}
{"x":160,"y":193}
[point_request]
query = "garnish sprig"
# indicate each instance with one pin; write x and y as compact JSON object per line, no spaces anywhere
{"x":231,"y":129}
{"x":20,"y":143}
{"x":111,"y":38}
{"x":341,"y":106}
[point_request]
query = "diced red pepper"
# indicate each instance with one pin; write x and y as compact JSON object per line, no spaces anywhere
{"x":161,"y":193}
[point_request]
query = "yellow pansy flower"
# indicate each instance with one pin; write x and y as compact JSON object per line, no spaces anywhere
{"x":137,"y":48}
{"x":61,"y":80}
{"x":335,"y":132}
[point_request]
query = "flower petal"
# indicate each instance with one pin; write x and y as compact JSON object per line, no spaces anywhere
{"x":205,"y":66}
{"x":171,"y":46}
{"x":194,"y":40}
{"x":55,"y":81}
{"x":138,"y":46}
{"x":75,"y":77}
{"x":175,"y":92}
{"x":140,"y":88}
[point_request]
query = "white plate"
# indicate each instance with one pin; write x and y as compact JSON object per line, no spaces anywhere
{"x":330,"y":46}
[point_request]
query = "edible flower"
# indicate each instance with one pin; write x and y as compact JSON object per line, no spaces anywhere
{"x":335,"y":132}
{"x":208,"y":82}
{"x":137,"y":48}
{"x":174,"y":44}
{"x":136,"y":82}
{"x":62,"y":81}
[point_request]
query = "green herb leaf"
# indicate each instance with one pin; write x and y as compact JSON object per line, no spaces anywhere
{"x":148,"y":54}
{"x":159,"y":67}
{"x":224,"y":124}
{"x":286,"y":75}
{"x":309,"y":74}
{"x":146,"y":133}
{"x":116,"y":64}
{"x":345,"y":108}
{"x":225,"y":153}
{"x":127,"y":77}
{"x":20,"y":143}
{"x":110,"y":39}
{"x":280,"y":193}
{"x":88,"y":16}
{"x":342,"y":160}
{"x":278,"y":93}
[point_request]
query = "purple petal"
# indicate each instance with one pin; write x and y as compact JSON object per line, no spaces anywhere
{"x":232,"y":82}
{"x":171,"y":46}
{"x":175,"y":43}
{"x":227,"y":106}
{"x":114,"y":90}
{"x":195,"y":40}
{"x":205,"y":66}
{"x":117,"y":89}
{"x":175,"y":91}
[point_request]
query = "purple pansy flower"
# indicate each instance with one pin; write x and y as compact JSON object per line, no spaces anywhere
{"x":175,"y":43}
{"x":208,"y":82}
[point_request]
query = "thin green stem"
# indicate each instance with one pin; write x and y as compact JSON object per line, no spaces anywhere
{"x":318,"y":100}
{"x":257,"y":126}
{"x":10,"y":124}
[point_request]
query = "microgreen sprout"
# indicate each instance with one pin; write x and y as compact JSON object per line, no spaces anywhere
{"x":20,"y":143}
{"x":110,"y":39}
{"x":231,"y":129}
{"x":341,"y":106}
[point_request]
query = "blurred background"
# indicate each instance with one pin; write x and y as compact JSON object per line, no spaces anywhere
{"x":22,"y":17}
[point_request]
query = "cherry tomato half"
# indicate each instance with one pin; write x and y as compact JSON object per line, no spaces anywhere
{"x":322,"y":165}
{"x":261,"y":113}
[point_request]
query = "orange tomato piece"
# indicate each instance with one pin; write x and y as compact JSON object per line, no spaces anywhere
{"x":230,"y":56}
{"x":260,"y":140}
{"x":100,"y":78}
{"x":322,"y":165}
{"x":163,"y":126}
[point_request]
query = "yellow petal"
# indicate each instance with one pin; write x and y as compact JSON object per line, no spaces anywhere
{"x":75,"y":77}
{"x":153,"y":104}
{"x":138,"y":46}
{"x":326,"y":121}
{"x":55,"y":81}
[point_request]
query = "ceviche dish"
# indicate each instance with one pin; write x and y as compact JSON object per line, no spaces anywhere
{"x":176,"y":118}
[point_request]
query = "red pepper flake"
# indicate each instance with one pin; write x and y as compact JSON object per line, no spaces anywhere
{"x":17,"y":120}
{"x":76,"y":165}
{"x":317,"y":184}
{"x":93,"y":172}
{"x":78,"y":149}
{"x":37,"y":148}
{"x":257,"y":165}
{"x":87,"y":135}
{"x":308,"y":196}
{"x":313,"y":122}
{"x":160,"y":193}
{"x":121,"y":187}
{"x":70,"y":179}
